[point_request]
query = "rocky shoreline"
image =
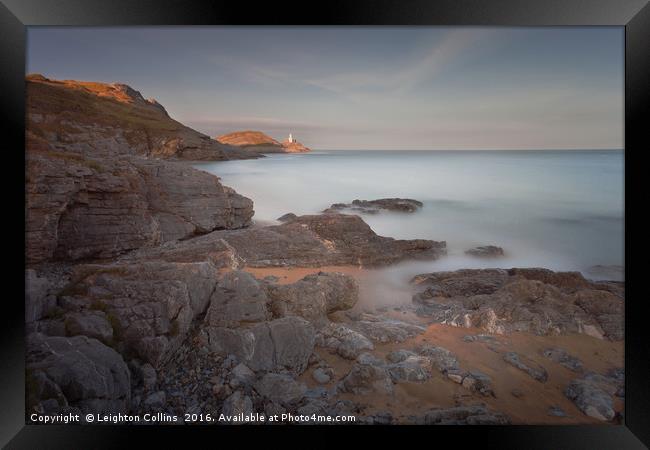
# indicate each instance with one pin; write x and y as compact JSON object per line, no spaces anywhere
{"x":146,"y":293}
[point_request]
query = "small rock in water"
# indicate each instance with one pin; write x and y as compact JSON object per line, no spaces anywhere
{"x":485,"y":251}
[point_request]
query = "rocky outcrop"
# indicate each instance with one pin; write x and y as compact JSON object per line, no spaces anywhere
{"x":258,"y":142}
{"x":81,"y":208}
{"x":306,"y":241}
{"x":77,"y":374}
{"x":406,"y":205}
{"x":532,"y":300}
{"x":88,"y":119}
{"x":143,"y":310}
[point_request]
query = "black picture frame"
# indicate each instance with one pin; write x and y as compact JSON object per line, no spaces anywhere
{"x":16,"y":15}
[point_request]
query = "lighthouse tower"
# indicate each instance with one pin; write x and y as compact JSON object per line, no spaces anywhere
{"x":290,"y":139}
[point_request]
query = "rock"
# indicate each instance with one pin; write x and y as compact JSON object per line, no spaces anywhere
{"x":320,"y":376}
{"x":367,"y":376}
{"x":387,"y":330}
{"x":113,"y":119}
{"x":413,"y":368}
{"x":314,"y":297}
{"x":237,"y":299}
{"x":441,"y":358}
{"x":478,"y":382}
{"x":285,"y":343}
{"x":79,"y":208}
{"x":149,"y":376}
{"x":592,"y":394}
{"x":287,"y":217}
{"x":307,"y":241}
{"x":487,"y":251}
{"x":463,"y":415}
{"x":312,"y":407}
{"x":236,"y":405}
{"x":150,"y":306}
{"x":381,"y":418}
{"x":556,"y":411}
{"x":242,"y":373}
{"x":39,"y":300}
{"x":529,"y":300}
{"x":93,"y":324}
{"x":561,"y":356}
{"x":76,"y":372}
{"x":280,"y":388}
{"x":371,"y":206}
{"x":485,"y":338}
{"x":397,"y":356}
{"x":527,"y":365}
{"x":345,"y":342}
{"x":156,"y":400}
{"x":517,"y":393}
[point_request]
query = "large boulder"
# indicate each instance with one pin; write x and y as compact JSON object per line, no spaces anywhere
{"x":367,"y":376}
{"x":315,"y":296}
{"x":280,"y":388}
{"x":237,"y":299}
{"x":77,"y":373}
{"x":285,"y":343}
{"x":149,"y":307}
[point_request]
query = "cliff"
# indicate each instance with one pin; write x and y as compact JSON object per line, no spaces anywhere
{"x":90,"y":118}
{"x":97,"y":184}
{"x":258,"y":142}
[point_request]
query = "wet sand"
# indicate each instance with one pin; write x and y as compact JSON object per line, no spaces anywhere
{"x":412,"y":398}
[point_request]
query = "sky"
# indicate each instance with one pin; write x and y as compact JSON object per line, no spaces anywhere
{"x":357,"y":88}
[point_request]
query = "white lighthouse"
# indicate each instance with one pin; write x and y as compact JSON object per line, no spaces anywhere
{"x":290,"y":138}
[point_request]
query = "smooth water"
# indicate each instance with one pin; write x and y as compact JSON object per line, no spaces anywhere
{"x":562,"y":210}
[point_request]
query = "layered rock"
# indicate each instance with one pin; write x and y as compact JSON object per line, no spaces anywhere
{"x":80,"y":208}
{"x":306,"y":241}
{"x":142,"y":310}
{"x":533,"y":300}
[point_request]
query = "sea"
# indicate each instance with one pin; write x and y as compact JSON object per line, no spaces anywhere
{"x":557,"y":209}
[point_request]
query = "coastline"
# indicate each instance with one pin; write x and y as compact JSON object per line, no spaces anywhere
{"x":157,"y":277}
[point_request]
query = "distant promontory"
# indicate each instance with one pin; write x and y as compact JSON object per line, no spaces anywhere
{"x":261,"y":143}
